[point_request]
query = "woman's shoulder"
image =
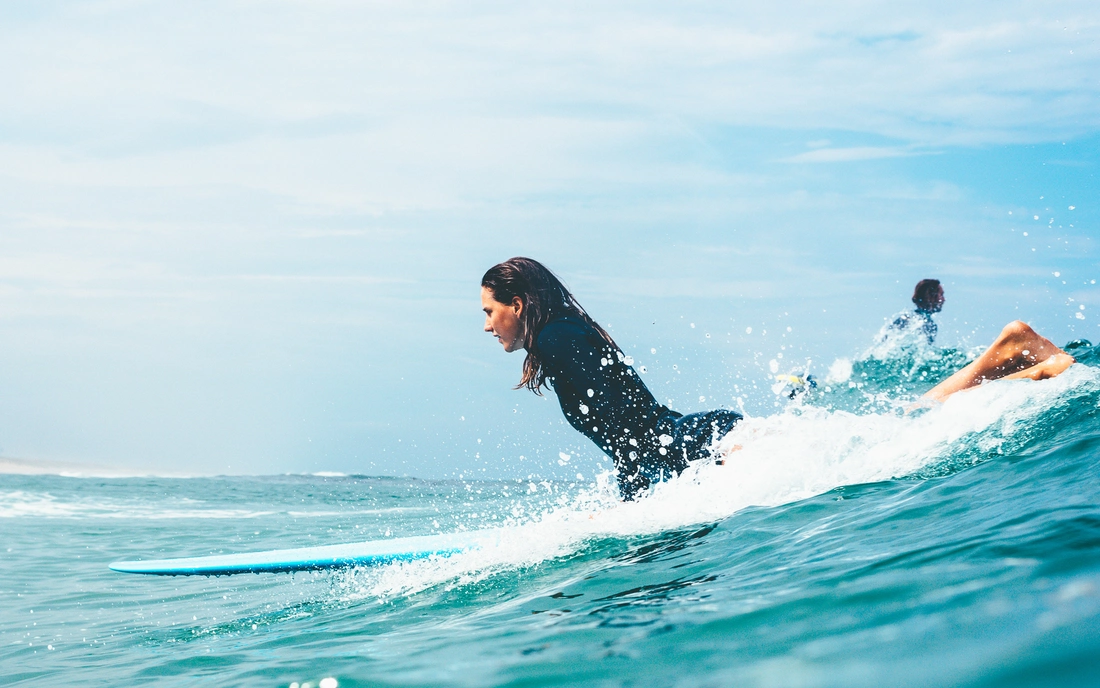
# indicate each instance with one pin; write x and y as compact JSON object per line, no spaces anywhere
{"x":564,"y":325}
{"x":566,"y":332}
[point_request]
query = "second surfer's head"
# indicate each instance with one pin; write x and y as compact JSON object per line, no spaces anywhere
{"x":928,"y":295}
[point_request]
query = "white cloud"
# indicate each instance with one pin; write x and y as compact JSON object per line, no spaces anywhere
{"x":189,"y":191}
{"x":156,"y":76}
{"x":852,"y":154}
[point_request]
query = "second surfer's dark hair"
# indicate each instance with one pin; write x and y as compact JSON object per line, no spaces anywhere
{"x":925,"y":293}
{"x":544,"y":298}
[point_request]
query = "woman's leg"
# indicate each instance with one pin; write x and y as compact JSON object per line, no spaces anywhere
{"x":1018,"y":353}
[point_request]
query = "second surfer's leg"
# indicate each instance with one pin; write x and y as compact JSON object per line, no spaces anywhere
{"x":1053,"y":366}
{"x":1015,"y":351}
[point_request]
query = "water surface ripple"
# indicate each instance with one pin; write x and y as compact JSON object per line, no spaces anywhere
{"x":845,"y":546}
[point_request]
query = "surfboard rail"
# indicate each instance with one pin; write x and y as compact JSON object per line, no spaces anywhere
{"x":370,"y":553}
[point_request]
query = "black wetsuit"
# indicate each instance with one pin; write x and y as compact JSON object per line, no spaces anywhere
{"x":603,"y":398}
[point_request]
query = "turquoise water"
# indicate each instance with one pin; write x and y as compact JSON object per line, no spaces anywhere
{"x":847,"y":544}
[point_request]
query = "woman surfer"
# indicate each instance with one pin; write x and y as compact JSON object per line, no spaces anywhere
{"x":527,"y":307}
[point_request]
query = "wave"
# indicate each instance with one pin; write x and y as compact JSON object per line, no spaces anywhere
{"x":800,"y":453}
{"x":28,"y":504}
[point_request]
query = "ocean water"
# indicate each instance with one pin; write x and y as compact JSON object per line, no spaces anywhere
{"x":847,"y":543}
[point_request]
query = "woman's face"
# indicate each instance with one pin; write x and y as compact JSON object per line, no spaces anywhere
{"x":503,"y":320}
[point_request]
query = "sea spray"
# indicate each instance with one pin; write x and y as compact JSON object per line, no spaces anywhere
{"x":967,"y":533}
{"x":768,"y":461}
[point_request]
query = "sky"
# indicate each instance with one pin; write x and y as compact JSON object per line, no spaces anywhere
{"x":245,"y":237}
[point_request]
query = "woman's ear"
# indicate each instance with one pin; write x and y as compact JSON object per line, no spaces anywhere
{"x":517,"y":305}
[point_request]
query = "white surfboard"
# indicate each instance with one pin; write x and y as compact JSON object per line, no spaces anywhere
{"x":373,"y":553}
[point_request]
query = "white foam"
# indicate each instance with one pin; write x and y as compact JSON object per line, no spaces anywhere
{"x":25,"y":504}
{"x":794,"y":455}
{"x":839,"y":371}
{"x":19,"y":503}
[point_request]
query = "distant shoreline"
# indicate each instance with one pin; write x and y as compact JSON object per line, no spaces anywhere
{"x":74,"y":469}
{"x":10,"y":466}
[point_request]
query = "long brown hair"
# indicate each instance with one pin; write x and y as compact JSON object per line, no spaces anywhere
{"x":544,"y":299}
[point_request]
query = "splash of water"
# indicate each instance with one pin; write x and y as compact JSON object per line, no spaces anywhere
{"x":804,"y":451}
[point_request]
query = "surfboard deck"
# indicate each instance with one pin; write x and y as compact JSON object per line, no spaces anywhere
{"x":371,"y":553}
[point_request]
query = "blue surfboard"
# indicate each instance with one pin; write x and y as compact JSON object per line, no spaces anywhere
{"x":372,"y":553}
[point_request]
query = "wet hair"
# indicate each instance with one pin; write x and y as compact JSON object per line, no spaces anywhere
{"x":925,"y":293}
{"x":544,"y":299}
